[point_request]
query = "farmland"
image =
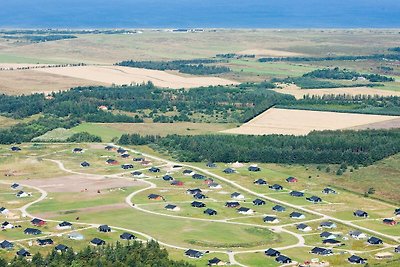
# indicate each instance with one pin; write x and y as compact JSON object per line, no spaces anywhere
{"x":300,"y":122}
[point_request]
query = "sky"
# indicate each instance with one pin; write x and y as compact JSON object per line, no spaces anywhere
{"x":201,"y":13}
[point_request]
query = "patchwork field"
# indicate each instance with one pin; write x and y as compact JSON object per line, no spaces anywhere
{"x":125,"y":75}
{"x":301,"y":122}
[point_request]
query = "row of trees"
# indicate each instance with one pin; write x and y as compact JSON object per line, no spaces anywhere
{"x":132,"y":254}
{"x":338,"y":74}
{"x":40,"y":38}
{"x":376,"y":57}
{"x":194,"y":66}
{"x":364,"y":104}
{"x":333,"y":147}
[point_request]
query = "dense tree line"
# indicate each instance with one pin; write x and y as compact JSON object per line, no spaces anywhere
{"x":194,"y":66}
{"x":25,"y":132}
{"x":333,"y":147}
{"x":84,"y":137}
{"x":312,"y":83}
{"x":233,"y":103}
{"x":338,"y":74}
{"x":132,"y":254}
{"x":365,"y":104}
{"x":65,"y":31}
{"x":395,"y":49}
{"x":234,"y":55}
{"x":40,"y":38}
{"x":376,"y":57}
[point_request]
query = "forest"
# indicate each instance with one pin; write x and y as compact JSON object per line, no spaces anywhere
{"x":194,"y":66}
{"x":217,"y":103}
{"x":118,"y":255}
{"x":333,"y":147}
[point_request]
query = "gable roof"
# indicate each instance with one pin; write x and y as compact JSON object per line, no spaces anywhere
{"x":44,"y":242}
{"x":360,"y":213}
{"x":210,"y":212}
{"x":23,"y":253}
{"x":330,"y":241}
{"x":269,"y":219}
{"x":258,"y":202}
{"x":276,"y":187}
{"x":198,"y":204}
{"x":374,"y":240}
{"x":127,"y":236}
{"x":321,"y":251}
{"x":326,"y":234}
{"x":193,"y":191}
{"x":198,"y":176}
{"x":260,"y":182}
{"x":278,"y":208}
{"x":314,"y":199}
{"x":214,"y":261}
{"x":170,"y":207}
{"x":232,"y":204}
{"x":243,"y":209}
{"x":61,"y":247}
{"x":295,"y":193}
{"x":283,"y":259}
{"x":32,"y":231}
{"x":229,"y":170}
{"x":154,"y":196}
{"x":254,"y":169}
{"x":327,"y":224}
{"x":64,"y":224}
{"x":356,"y":259}
{"x":296,"y":214}
{"x":302,"y":226}
{"x":328,"y":190}
{"x":193,"y":253}
{"x":97,"y":241}
{"x":6,"y":244}
{"x":104,"y":228}
{"x":272,"y":252}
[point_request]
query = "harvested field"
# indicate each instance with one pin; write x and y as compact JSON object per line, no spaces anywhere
{"x":29,"y":81}
{"x":126,"y":75}
{"x":77,"y":183}
{"x":298,"y":93}
{"x":389,"y":124}
{"x":301,"y":122}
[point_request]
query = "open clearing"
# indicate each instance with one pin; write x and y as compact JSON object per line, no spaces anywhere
{"x":298,"y":93}
{"x":126,"y":75}
{"x":301,"y":122}
{"x":77,"y":183}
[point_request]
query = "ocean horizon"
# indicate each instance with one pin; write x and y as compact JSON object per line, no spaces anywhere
{"x":200,"y":14}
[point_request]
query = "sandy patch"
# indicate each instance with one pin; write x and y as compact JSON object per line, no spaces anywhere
{"x":301,"y":122}
{"x":269,"y":52}
{"x":126,"y":75}
{"x":298,"y":93}
{"x":78,"y":183}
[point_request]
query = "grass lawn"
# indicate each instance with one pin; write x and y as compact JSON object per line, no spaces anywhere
{"x":256,"y":259}
{"x":106,"y":133}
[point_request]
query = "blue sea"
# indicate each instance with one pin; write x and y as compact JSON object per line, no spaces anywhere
{"x":201,"y":13}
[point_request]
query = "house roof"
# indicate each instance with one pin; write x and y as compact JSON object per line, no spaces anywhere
{"x":258,"y":201}
{"x":214,"y":261}
{"x":355,"y":233}
{"x":276,"y":187}
{"x":193,"y":253}
{"x":254,"y":169}
{"x":153,"y":196}
{"x":167,"y":177}
{"x":170,"y":207}
{"x":14,"y":185}
{"x":235,"y":194}
{"x":328,"y":190}
{"x":374,"y":240}
{"x":314,"y":199}
{"x":260,"y":181}
{"x":360,"y":213}
{"x":325,"y":234}
{"x":356,"y":259}
{"x":229,"y":170}
{"x":6,"y":244}
{"x":199,"y":196}
{"x":232,"y":204}
{"x":187,"y":171}
{"x":97,"y":241}
{"x":327,"y":224}
{"x":296,"y":193}
{"x":283,"y":259}
{"x":62,"y":224}
{"x":272,"y":252}
{"x":37,"y":221}
{"x":32,"y":231}
{"x":198,"y":204}
{"x":243,"y":209}
{"x":330,"y":241}
{"x":193,"y":191}
{"x":302,"y":226}
{"x":210,"y":212}
{"x":278,"y":208}
{"x":23,"y":252}
{"x":296,"y":214}
{"x":198,"y":176}
{"x":104,"y":228}
{"x":85,"y":164}
{"x":269,"y":219}
{"x":43,"y":242}
{"x":127,"y":236}
{"x":321,"y":251}
{"x":61,"y":247}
